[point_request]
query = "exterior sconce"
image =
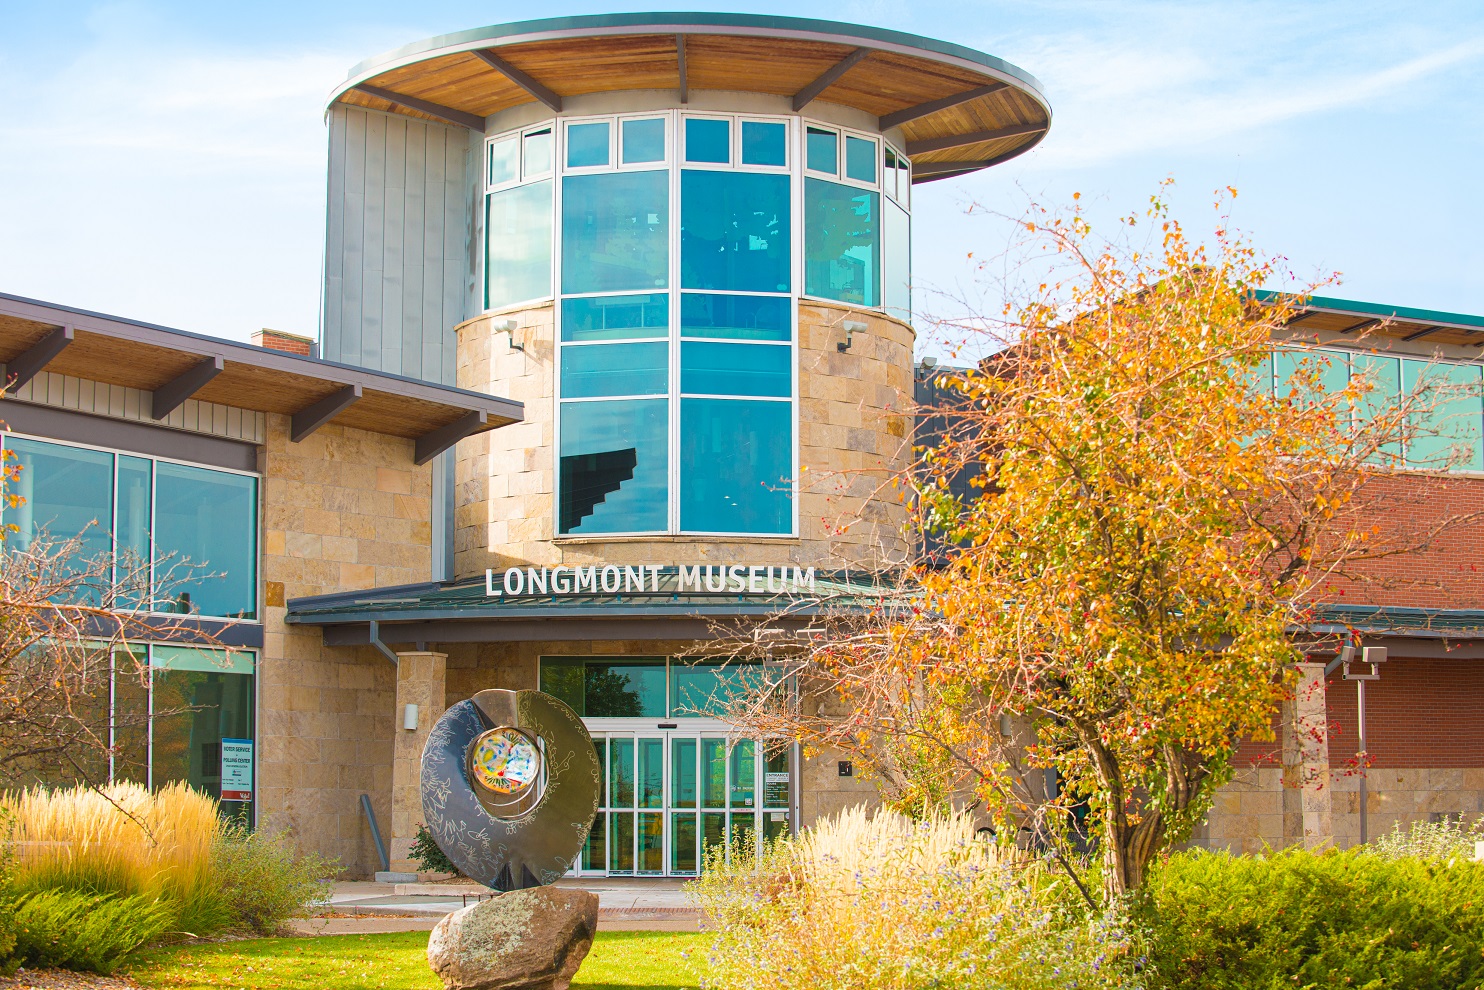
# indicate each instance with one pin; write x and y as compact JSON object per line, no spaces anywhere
{"x":509,"y":327}
{"x":1006,"y":727}
{"x":850,"y":327}
{"x":409,"y":718}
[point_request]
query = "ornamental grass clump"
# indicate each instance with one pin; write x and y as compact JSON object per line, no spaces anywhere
{"x":884,"y":902}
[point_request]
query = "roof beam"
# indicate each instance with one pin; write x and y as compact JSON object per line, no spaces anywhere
{"x":977,"y":137}
{"x":933,"y":106}
{"x":1362,"y":325}
{"x":684,"y":78}
{"x":447,"y":114}
{"x":173,"y":394}
{"x":28,"y":364}
{"x":317,"y":414}
{"x":828,"y":78}
{"x":435,"y":442}
{"x":1423,"y":332}
{"x":525,"y":82}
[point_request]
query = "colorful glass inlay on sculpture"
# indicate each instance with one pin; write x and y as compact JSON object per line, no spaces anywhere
{"x":505,"y":761}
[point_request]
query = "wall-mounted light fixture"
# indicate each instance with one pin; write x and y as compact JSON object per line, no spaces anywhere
{"x":509,"y":327}
{"x":409,"y":718}
{"x":851,"y":326}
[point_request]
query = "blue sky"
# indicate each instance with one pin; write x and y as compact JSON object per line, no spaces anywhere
{"x":164,"y":160}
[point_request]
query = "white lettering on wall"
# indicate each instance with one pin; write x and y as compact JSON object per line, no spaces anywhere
{"x":611,"y":579}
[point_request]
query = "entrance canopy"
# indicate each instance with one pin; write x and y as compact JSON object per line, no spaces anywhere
{"x":589,"y":602}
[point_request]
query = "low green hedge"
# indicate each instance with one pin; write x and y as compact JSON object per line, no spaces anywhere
{"x":1297,"y":919}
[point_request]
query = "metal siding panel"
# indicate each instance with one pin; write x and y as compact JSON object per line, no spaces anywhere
{"x":401,"y":134}
{"x":355,"y":225}
{"x":413,"y":260}
{"x":434,"y":220}
{"x":455,"y":252}
{"x":375,"y":241}
{"x":331,"y":328}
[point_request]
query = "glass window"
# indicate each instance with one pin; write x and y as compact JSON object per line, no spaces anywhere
{"x":538,"y":152}
{"x":860,"y":159}
{"x":896,"y":261}
{"x":764,"y":143}
{"x":206,"y":529}
{"x":1383,"y":377}
{"x":895,"y":178}
{"x":614,"y":466}
{"x":889,"y":172}
{"x":200,"y":702}
{"x":616,"y":317}
{"x":131,"y":529}
{"x":1333,"y":369}
{"x":734,"y":231}
{"x":601,"y":687}
{"x":842,"y":242}
{"x":587,"y":144}
{"x":504,"y":161}
{"x":643,"y":141}
{"x":1447,"y":418}
{"x":518,"y":253}
{"x":741,"y":453}
{"x":822,"y":150}
{"x":615,"y":369}
{"x":707,"y":687}
{"x":735,"y":369}
{"x":708,"y":140}
{"x":64,"y":492}
{"x":615,"y":231}
{"x":736,"y":317}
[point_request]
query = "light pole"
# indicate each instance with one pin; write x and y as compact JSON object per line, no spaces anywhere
{"x":1370,"y":656}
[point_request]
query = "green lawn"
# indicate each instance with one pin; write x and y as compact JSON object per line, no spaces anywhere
{"x":618,"y":961}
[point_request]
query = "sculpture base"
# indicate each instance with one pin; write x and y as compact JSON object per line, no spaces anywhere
{"x":531,"y":939}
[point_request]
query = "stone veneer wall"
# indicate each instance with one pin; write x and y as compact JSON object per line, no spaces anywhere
{"x":854,"y":413}
{"x":342,"y":510}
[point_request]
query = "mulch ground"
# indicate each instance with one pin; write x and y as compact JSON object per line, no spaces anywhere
{"x":61,"y":979}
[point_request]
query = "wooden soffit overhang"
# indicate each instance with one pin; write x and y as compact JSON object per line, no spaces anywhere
{"x":959,"y":110}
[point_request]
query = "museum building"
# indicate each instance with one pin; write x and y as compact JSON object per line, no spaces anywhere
{"x":615,"y":360}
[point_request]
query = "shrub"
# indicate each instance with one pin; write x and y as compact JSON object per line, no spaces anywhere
{"x":1445,"y":839}
{"x":261,"y":879}
{"x":427,"y":854}
{"x":885,"y":903}
{"x":1299,"y":919}
{"x":72,"y":930}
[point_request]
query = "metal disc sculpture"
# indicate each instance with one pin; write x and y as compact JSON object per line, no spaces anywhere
{"x":510,"y":787}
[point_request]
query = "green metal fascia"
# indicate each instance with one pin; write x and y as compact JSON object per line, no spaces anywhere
{"x":1409,"y":313}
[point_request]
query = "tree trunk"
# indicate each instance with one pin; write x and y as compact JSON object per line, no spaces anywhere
{"x":1128,"y":849}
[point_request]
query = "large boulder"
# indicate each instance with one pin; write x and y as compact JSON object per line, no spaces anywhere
{"x":530,"y":939}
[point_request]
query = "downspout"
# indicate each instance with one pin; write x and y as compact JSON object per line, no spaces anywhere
{"x":373,"y":635}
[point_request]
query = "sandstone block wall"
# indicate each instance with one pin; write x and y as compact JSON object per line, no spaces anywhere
{"x":342,"y":510}
{"x":854,"y":419}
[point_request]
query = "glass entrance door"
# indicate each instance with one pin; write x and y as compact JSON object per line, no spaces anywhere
{"x":670,"y":796}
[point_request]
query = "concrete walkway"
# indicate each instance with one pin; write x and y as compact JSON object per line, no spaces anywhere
{"x":624,"y":904}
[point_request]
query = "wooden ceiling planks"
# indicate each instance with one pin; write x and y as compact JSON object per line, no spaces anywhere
{"x":580,"y":66}
{"x":461,"y":81}
{"x":777,"y":66}
{"x":18,"y":336}
{"x":1317,"y":321}
{"x":356,"y":98}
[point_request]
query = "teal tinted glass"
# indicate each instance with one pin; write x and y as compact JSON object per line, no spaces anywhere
{"x":504,"y":161}
{"x":1331,"y":368}
{"x":734,"y":231}
{"x":615,"y":231}
{"x":613,"y":466}
{"x":538,"y":152}
{"x":708,"y":368}
{"x":65,"y":492}
{"x":616,"y":317}
{"x":621,"y":772}
{"x":562,"y":678}
{"x":709,"y":688}
{"x":518,"y":244}
{"x":822,"y":150}
{"x":682,"y":771}
{"x":1448,"y":418}
{"x":744,"y":775}
{"x":206,"y":527}
{"x":764,"y":143}
{"x":842,"y":242}
{"x":131,"y":528}
{"x":860,"y":159}
{"x":896,"y":262}
{"x":740,"y":456}
{"x":643,"y":141}
{"x":737,"y":317}
{"x":708,"y":140}
{"x":615,"y":369}
{"x":652,"y":772}
{"x":587,"y":144}
{"x":204,"y":708}
{"x":1382,"y":378}
{"x":625,"y":690}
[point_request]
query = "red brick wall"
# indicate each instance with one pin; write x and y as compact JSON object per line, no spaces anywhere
{"x":1420,"y":714}
{"x":276,"y":340}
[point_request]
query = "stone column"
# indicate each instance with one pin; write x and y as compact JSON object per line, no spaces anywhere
{"x":1308,"y":806}
{"x":420,"y":682}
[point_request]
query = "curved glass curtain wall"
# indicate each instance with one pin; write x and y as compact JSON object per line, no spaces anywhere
{"x":680,"y":268}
